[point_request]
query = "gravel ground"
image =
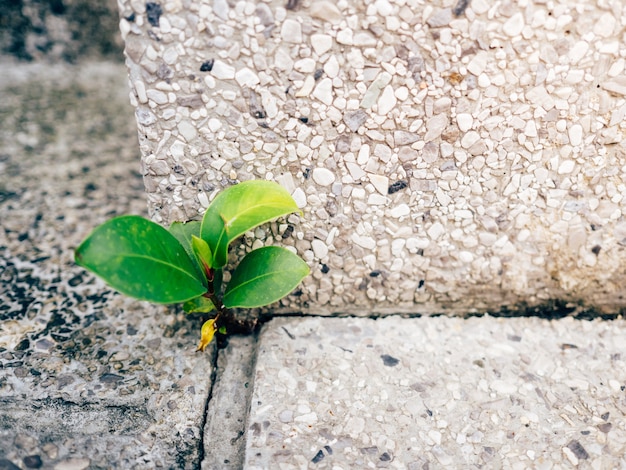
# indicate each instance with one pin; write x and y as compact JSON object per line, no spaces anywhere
{"x":88,"y":378}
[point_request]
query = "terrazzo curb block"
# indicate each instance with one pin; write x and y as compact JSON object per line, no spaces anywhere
{"x":447,"y":156}
{"x":438,"y":393}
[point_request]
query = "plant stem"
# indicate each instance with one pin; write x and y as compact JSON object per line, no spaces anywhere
{"x":226,"y":317}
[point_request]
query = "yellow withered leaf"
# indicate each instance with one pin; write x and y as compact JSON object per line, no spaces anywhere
{"x":206,"y":334}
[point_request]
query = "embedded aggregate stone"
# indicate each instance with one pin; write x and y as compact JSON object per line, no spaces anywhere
{"x":88,"y":378}
{"x":506,"y":121}
{"x":438,"y":393}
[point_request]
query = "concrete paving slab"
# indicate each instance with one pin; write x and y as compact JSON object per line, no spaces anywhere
{"x":438,"y":393}
{"x":227,"y":415}
{"x":88,"y":378}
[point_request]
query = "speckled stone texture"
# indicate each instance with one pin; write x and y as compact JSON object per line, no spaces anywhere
{"x":438,"y":393}
{"x":448,"y":156}
{"x":88,"y":378}
{"x":60,"y":30}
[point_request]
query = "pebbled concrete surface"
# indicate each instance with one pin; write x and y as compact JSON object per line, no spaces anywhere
{"x":448,"y":156}
{"x":438,"y":392}
{"x":88,"y":378}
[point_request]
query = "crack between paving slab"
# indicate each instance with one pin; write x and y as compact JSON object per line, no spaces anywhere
{"x":551,"y":309}
{"x":254,"y":354}
{"x":232,"y":450}
{"x":205,"y":413}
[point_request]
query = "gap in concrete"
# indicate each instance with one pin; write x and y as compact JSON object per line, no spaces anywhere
{"x":209,"y":398}
{"x":228,"y":405}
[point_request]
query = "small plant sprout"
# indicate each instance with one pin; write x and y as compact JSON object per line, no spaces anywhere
{"x":185,"y":264}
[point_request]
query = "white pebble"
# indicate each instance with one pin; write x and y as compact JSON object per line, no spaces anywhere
{"x":570,"y":456}
{"x":324,"y":91}
{"x":566,"y":166}
{"x":140,"y":88}
{"x":246,"y":77}
{"x":363,"y":241}
{"x":435,"y":126}
{"x":164,"y":25}
{"x":319,"y":248}
{"x":291,"y":31}
{"x":400,"y":211}
{"x":435,"y":231}
{"x":531,"y":129}
{"x":344,"y":37}
{"x":387,"y":101}
{"x":469,"y":139}
{"x":203,"y":199}
{"x":220,"y":8}
{"x":514,"y":25}
{"x":306,"y":65}
{"x":616,"y":85}
{"x":575,"y":134}
{"x":464,"y":121}
{"x":381,"y":183}
{"x":578,"y":51}
{"x":326,"y":11}
{"x":376,"y":199}
{"x":483,"y":80}
{"x":383,"y":7}
{"x":331,"y":67}
{"x":503,"y":387}
{"x":540,"y":96}
{"x":364,"y":40}
{"x":309,"y":83}
{"x":299,"y":197}
{"x":157,"y":96}
{"x":478,"y":64}
{"x":214,"y":124}
{"x":321,"y":42}
{"x":187,"y":130}
{"x":605,"y":25}
{"x":222,"y":70}
{"x":323,"y":176}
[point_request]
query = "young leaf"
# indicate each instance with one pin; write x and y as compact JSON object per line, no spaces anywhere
{"x":184,"y":231}
{"x":141,"y":259}
{"x":202,"y":251}
{"x":198,"y":305}
{"x":206,"y":334}
{"x":241,"y":208}
{"x":264,"y":276}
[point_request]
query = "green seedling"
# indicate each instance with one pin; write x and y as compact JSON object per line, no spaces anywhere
{"x":185,"y":264}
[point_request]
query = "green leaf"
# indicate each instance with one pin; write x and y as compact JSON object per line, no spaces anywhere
{"x":184,"y":232}
{"x":141,"y":259}
{"x":198,"y":305}
{"x":264,"y":276}
{"x":202,"y":251}
{"x":241,"y":208}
